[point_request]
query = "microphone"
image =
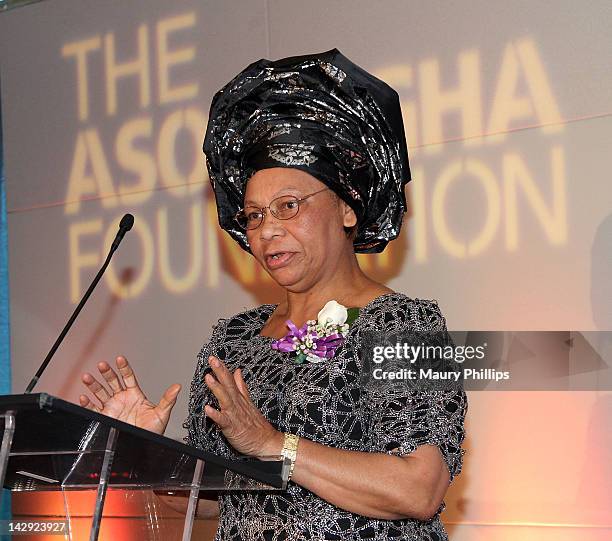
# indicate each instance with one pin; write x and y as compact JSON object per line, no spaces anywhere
{"x":124,"y":226}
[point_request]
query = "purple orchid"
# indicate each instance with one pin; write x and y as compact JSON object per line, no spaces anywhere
{"x":308,"y":343}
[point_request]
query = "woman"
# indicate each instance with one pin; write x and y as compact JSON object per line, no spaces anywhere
{"x":308,"y":161}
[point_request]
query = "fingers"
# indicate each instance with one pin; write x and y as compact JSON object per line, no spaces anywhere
{"x":85,"y":402}
{"x":95,"y":387}
{"x":217,"y":416}
{"x":129,"y":378}
{"x":230,"y":395}
{"x":168,"y":400}
{"x":110,"y":377}
{"x":240,"y":383}
{"x":223,"y":397}
{"x":221,"y":384}
{"x":227,"y":387}
{"x":221,"y":372}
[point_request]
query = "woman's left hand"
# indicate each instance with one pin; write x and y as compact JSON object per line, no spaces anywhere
{"x":242,"y":424}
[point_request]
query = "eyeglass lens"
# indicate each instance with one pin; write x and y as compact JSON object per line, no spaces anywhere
{"x":283,"y":208}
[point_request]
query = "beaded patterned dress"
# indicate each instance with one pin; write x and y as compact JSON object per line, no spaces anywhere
{"x":326,"y":403}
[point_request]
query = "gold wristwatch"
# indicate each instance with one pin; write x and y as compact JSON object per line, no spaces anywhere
{"x":289,"y":450}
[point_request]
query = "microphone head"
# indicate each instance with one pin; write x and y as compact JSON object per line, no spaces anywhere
{"x":126,"y":222}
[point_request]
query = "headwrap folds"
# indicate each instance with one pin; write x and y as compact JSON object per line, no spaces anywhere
{"x":324,"y":115}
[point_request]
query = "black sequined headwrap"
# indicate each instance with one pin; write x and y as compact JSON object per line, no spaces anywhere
{"x":324,"y":115}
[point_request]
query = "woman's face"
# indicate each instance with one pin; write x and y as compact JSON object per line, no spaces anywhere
{"x":313,"y":242}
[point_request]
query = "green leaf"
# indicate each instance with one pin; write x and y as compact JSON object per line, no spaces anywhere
{"x":353,"y":314}
{"x":301,"y":357}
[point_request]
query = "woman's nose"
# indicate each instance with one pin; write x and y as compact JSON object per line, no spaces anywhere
{"x":271,"y":226}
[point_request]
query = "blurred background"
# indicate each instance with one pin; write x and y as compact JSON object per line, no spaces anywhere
{"x":508,"y":120}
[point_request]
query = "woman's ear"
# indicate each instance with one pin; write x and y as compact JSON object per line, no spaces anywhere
{"x":348,"y":214}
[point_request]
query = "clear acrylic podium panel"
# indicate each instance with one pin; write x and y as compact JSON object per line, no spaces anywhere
{"x":61,"y":454}
{"x":58,"y":445}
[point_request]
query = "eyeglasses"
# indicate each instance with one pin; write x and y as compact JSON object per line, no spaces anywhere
{"x":284,"y":207}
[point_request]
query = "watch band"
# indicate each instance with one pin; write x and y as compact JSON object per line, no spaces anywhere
{"x":290,"y":446}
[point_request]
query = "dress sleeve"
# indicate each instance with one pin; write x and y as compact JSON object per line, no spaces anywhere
{"x":405,"y":418}
{"x":198,"y":430}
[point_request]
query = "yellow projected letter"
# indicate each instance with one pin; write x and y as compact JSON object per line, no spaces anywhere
{"x":131,"y":287}
{"x":80,"y":50}
{"x":241,"y":265}
{"x":465,"y":99}
{"x":553,"y":218}
{"x":486,"y":178}
{"x":136,"y":161}
{"x":508,"y":106}
{"x":190,"y":279}
{"x":180,"y":185}
{"x":166,"y":59}
{"x":139,"y":67}
{"x":80,"y":260}
{"x":543,"y":99}
{"x":98,"y":183}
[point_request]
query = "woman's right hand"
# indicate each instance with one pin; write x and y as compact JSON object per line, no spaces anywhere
{"x":125,"y":400}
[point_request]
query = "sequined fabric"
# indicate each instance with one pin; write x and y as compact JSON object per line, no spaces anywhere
{"x":326,"y":403}
{"x":320,"y":113}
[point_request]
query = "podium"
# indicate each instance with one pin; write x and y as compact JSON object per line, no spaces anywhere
{"x":49,"y":444}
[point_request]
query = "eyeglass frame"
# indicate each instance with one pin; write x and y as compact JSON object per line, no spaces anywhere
{"x":265,"y":209}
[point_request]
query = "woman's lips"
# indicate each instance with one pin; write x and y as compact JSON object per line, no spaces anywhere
{"x":282,"y":260}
